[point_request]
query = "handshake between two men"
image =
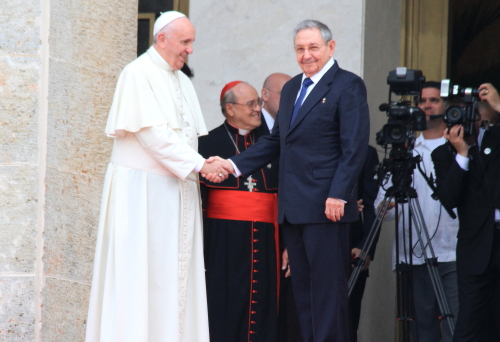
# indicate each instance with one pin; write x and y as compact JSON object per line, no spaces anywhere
{"x":216,"y":169}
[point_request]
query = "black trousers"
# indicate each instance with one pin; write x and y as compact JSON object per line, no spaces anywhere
{"x":319,"y":262}
{"x":479,"y":304}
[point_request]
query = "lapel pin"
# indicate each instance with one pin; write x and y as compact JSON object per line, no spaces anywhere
{"x":324,"y":100}
{"x":487,"y":150}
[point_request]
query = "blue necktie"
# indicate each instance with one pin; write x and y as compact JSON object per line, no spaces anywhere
{"x":307,"y":82}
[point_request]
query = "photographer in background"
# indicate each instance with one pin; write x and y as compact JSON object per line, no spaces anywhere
{"x":468,"y":178}
{"x":426,"y":325}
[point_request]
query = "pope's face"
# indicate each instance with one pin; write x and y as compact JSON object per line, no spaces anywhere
{"x":178,"y":42}
{"x":245,"y":112}
{"x":311,"y":51}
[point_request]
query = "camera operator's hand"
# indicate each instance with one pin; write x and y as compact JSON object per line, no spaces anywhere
{"x":490,"y":94}
{"x":391,"y":206}
{"x":360,"y":205}
{"x":455,"y":135}
{"x":355,"y":252}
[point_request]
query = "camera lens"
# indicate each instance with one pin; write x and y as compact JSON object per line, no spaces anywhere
{"x":396,"y":133}
{"x":454,"y":114}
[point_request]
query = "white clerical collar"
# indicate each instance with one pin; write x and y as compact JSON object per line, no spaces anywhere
{"x":317,"y":76}
{"x":268,"y":118}
{"x":243,"y":131}
{"x":158,"y":60}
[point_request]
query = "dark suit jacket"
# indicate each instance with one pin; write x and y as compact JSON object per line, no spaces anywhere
{"x":475,"y":193}
{"x":321,"y":153}
{"x":367,"y":191}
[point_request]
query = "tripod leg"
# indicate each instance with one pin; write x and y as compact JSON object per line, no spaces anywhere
{"x":369,"y":241}
{"x":431,"y":263}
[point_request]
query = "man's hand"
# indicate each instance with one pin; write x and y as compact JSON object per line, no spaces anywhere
{"x":334,"y":209}
{"x":391,"y":205}
{"x":284,"y":263}
{"x":360,"y":205}
{"x":455,"y":135}
{"x":216,"y":169}
{"x":488,"y":93}
{"x":355,"y":252}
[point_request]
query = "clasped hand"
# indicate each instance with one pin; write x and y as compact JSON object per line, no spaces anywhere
{"x":216,"y":169}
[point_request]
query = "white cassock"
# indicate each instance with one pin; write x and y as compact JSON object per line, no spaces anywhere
{"x":149,"y":281}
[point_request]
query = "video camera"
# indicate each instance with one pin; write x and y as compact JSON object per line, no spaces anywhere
{"x":404,"y":119}
{"x":464,"y":114}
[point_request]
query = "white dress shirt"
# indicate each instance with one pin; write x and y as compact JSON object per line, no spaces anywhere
{"x":315,"y":78}
{"x":441,"y":227}
{"x":268,"y":118}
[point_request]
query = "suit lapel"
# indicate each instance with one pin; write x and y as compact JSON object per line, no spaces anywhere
{"x":288,"y":103}
{"x":315,"y":95}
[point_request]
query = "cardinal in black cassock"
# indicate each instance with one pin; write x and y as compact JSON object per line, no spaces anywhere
{"x":241,"y":236}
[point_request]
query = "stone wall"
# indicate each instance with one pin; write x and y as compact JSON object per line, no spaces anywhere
{"x":382,"y":52}
{"x":20,"y":69}
{"x":59,"y":62}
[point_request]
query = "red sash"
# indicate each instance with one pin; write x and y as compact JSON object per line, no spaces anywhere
{"x":247,"y":206}
{"x":242,"y":206}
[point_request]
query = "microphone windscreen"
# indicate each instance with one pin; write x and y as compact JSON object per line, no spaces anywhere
{"x":384,"y":107}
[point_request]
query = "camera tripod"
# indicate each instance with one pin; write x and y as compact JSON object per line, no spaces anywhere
{"x":402,"y":192}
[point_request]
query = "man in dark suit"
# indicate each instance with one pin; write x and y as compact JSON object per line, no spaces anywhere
{"x":469,"y":179}
{"x":358,"y":234}
{"x":321,"y":136}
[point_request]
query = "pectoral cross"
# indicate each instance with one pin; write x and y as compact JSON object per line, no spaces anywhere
{"x":250,"y":184}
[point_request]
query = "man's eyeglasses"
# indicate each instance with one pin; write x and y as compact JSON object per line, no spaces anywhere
{"x":250,"y":104}
{"x":300,"y":50}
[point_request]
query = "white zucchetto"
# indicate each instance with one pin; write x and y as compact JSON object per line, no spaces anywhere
{"x":166,"y":18}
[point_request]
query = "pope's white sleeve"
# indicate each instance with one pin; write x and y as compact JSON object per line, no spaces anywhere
{"x":165,"y":146}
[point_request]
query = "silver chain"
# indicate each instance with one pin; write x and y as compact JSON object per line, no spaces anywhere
{"x":230,"y":137}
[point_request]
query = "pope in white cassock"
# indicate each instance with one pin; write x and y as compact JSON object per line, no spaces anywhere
{"x":149,"y":282}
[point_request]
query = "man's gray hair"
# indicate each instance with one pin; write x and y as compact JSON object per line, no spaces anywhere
{"x":229,"y":97}
{"x":326,"y":34}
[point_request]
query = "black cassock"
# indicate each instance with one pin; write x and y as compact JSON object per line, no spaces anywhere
{"x":240,"y":256}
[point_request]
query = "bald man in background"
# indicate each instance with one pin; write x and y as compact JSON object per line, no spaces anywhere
{"x":271,"y":93}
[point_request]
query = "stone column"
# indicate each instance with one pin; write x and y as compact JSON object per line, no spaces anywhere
{"x":382,"y":54}
{"x":59,"y":62}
